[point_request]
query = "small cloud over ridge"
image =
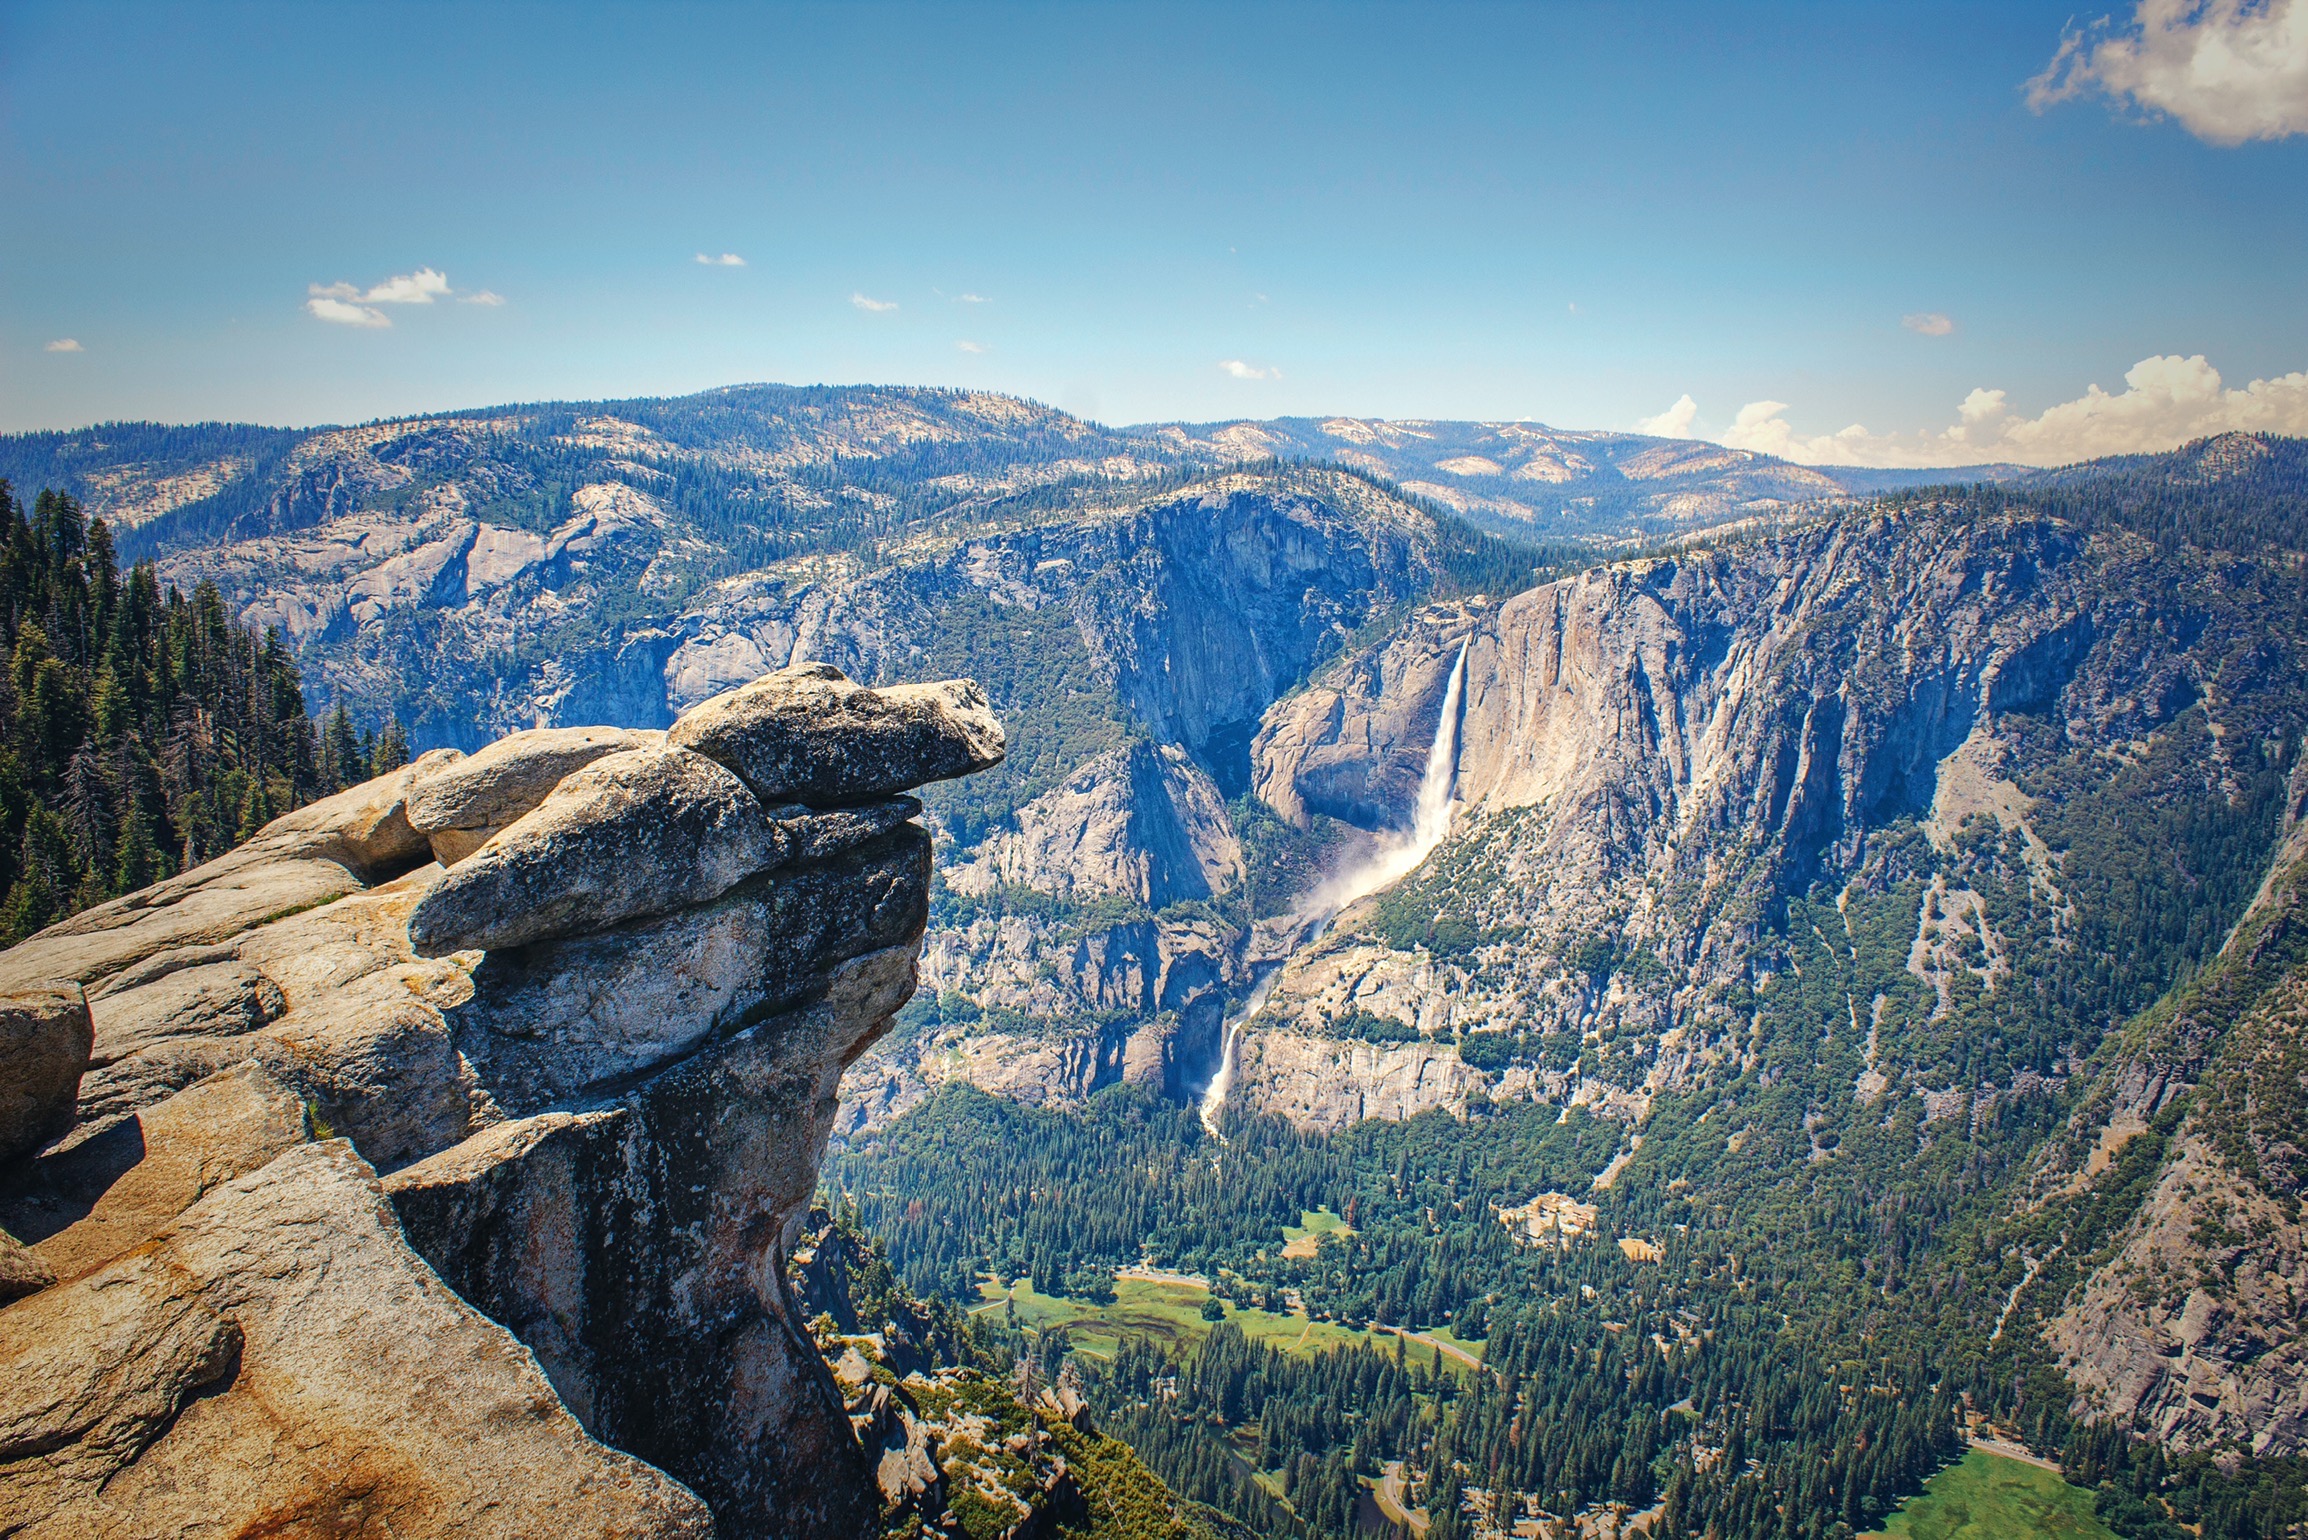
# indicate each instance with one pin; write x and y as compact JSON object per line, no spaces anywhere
{"x":1247,"y":371}
{"x":1675,"y":422}
{"x":972,"y":347}
{"x":345,"y":304}
{"x":2167,"y":401}
{"x":1928,"y":323}
{"x":872,"y":306}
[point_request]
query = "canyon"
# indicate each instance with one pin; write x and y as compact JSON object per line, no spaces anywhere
{"x":1784,"y":845}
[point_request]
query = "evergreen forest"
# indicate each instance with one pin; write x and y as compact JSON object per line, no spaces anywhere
{"x":141,"y":732}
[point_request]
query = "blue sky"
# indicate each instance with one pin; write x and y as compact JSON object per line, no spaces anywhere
{"x":1570,"y":213}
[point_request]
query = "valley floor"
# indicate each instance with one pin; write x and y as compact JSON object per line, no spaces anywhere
{"x":1995,"y":1497}
{"x":1168,"y":1310}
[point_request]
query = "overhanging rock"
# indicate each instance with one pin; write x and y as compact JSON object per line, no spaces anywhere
{"x":596,"y":1085}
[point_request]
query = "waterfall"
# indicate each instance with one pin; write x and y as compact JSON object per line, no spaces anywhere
{"x":1397,"y":855}
{"x":1229,"y":1043}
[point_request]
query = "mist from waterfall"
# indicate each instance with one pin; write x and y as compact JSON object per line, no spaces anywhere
{"x":1397,"y":854}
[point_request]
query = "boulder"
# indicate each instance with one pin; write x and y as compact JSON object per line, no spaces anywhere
{"x":278,"y":1362}
{"x":820,"y":834}
{"x":807,"y":734}
{"x":639,"y":833}
{"x":458,"y":808}
{"x":45,"y":1038}
{"x":557,"y":1018}
{"x":22,"y":1270}
{"x":142,"y":1007}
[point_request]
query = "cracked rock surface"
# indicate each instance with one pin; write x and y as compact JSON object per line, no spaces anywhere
{"x":411,"y":1200}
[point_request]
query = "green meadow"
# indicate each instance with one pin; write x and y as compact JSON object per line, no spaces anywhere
{"x":1171,"y":1314}
{"x":1991,"y":1497}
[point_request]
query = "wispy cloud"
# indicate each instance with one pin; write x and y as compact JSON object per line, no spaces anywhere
{"x":2228,"y":70}
{"x":349,"y":305}
{"x":872,"y":306}
{"x":329,"y":303}
{"x":2167,"y":401}
{"x":726,"y":259}
{"x":1928,"y":323}
{"x":1243,"y":371}
{"x":481,"y":297}
{"x":64,"y":345}
{"x":1675,"y":422}
{"x":973,"y":347}
{"x":969,"y":299}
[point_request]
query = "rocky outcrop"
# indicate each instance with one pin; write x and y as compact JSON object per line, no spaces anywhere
{"x":276,"y":1361}
{"x":45,"y":1038}
{"x":1142,"y":823}
{"x":630,"y":837}
{"x":1326,"y":1083}
{"x":596,"y":1060}
{"x":806,"y":734}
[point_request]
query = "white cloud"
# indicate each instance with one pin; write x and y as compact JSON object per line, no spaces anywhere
{"x":969,"y":299}
{"x":726,"y":259}
{"x":348,"y":305}
{"x":481,"y":297}
{"x":1243,"y":371}
{"x":1928,"y":323}
{"x":2166,"y":402}
{"x":64,"y":345}
{"x":873,"y":306}
{"x":2228,"y":70}
{"x":418,"y":288}
{"x":329,"y":304}
{"x":1675,"y":422}
{"x":973,"y":347}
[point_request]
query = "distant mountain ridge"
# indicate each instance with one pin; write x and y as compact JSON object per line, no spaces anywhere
{"x":193,"y":483}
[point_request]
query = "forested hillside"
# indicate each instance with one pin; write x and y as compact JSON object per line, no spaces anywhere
{"x":143,"y":732}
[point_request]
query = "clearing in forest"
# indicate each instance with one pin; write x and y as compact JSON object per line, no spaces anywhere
{"x":1993,"y":1497}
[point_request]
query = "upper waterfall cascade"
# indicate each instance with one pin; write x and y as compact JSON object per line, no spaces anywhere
{"x":1397,"y":855}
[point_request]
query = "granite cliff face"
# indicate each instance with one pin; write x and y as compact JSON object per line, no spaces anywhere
{"x":1076,"y":943}
{"x":437,"y":1150}
{"x":1655,"y":755}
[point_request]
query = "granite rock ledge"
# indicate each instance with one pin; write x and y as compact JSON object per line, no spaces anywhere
{"x":436,"y":1153}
